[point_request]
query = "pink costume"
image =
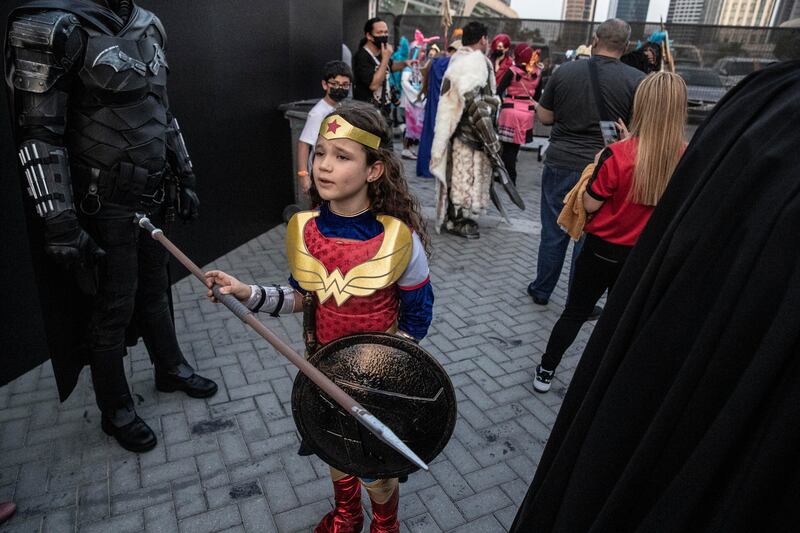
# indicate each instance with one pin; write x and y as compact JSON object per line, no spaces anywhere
{"x":515,"y":124}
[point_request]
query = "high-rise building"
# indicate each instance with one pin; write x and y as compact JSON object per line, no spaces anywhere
{"x":629,"y":10}
{"x":787,"y":10}
{"x":740,"y":12}
{"x":685,"y":11}
{"x":463,"y":8}
{"x":577,"y":9}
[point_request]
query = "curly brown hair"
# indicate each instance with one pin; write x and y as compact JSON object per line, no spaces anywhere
{"x":388,"y":195}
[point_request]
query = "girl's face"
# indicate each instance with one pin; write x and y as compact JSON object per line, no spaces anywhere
{"x":341,"y":174}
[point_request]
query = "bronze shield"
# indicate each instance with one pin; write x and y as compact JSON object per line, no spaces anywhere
{"x":393,"y":378}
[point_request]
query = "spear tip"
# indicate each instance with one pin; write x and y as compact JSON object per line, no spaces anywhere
{"x":387,"y":435}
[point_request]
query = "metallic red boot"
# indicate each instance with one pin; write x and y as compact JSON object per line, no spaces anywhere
{"x":6,"y":510}
{"x":384,"y":515}
{"x":347,"y":516}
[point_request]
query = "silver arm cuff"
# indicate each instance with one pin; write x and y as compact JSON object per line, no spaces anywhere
{"x":47,"y":174}
{"x":267,"y":299}
{"x":401,"y":333}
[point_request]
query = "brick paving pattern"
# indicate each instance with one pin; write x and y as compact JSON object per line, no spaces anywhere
{"x":229,"y":463}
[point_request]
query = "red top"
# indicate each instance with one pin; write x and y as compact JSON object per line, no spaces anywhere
{"x":504,"y":65}
{"x":377,"y":312}
{"x":619,"y":220}
{"x":522,"y":83}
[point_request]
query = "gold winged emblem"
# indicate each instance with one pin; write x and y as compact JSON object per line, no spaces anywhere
{"x":379,"y":272}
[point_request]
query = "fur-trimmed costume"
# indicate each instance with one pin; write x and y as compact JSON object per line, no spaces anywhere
{"x":462,"y":170}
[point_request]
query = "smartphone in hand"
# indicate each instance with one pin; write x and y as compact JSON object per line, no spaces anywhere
{"x":608,"y":129}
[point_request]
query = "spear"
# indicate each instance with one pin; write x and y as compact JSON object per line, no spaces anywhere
{"x":367,"y":419}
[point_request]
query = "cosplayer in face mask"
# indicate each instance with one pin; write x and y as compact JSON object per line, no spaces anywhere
{"x":379,"y":34}
{"x":499,"y":51}
{"x":372,"y":64}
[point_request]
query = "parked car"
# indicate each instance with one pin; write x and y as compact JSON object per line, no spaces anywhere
{"x":733,"y":69}
{"x":686,"y":55}
{"x":704,"y":88}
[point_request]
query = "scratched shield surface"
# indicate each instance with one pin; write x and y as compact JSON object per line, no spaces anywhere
{"x":393,"y":378}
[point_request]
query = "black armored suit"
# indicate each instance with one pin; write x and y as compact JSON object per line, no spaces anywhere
{"x":97,"y":143}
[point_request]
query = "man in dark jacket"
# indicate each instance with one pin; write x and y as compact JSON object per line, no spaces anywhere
{"x":568,"y":103}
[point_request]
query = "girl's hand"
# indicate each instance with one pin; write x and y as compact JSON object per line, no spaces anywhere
{"x":305,"y":183}
{"x":228,"y":285}
{"x":623,"y":129}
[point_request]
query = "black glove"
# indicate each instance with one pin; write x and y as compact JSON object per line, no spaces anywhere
{"x":188,"y":202}
{"x":68,"y":244}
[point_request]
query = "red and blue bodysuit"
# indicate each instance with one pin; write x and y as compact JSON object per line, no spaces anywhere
{"x":369,"y":273}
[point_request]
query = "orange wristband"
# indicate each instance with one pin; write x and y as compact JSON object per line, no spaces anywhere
{"x":302,"y":173}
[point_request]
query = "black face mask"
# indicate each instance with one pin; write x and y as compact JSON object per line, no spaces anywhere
{"x":337,"y":95}
{"x":498,"y":53}
{"x":120,"y":7}
{"x":380,"y":40}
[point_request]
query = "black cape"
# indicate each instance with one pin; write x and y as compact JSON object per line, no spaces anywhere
{"x":684,"y":412}
{"x":44,"y":314}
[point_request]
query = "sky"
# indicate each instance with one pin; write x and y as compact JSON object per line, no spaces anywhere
{"x":551,"y":9}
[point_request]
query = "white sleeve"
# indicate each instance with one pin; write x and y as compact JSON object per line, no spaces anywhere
{"x":417,"y":272}
{"x":409,"y":90}
{"x":311,"y":129}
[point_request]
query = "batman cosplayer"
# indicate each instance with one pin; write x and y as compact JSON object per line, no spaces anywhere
{"x":96,"y":142}
{"x":683,"y":412}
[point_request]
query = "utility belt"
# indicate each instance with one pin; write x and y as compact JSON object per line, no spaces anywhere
{"x":468,"y":138}
{"x":126,"y":184}
{"x":509,"y":101}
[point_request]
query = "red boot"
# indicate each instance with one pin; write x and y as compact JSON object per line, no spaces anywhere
{"x":347,"y":516}
{"x":384,"y":515}
{"x":6,"y":510}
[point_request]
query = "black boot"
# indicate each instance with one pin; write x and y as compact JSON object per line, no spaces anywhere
{"x":119,"y":418}
{"x":457,"y":224}
{"x":130,"y":431}
{"x":173,"y":373}
{"x":183,"y":378}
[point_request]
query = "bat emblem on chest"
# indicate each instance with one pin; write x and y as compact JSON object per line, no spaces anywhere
{"x":119,"y":61}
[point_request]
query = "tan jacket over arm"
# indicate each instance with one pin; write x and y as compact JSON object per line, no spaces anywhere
{"x":573,"y":215}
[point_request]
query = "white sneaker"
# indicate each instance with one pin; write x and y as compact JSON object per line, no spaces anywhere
{"x":408,"y":154}
{"x":541,"y":382}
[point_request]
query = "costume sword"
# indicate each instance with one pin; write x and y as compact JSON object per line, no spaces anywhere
{"x":367,"y":419}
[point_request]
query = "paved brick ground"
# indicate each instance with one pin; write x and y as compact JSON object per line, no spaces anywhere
{"x":229,"y":463}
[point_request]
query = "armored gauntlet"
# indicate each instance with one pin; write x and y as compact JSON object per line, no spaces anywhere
{"x":46,"y":171}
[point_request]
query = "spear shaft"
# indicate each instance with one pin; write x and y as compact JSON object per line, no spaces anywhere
{"x":378,"y":428}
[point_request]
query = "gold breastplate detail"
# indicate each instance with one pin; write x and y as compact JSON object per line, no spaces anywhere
{"x":379,"y":272}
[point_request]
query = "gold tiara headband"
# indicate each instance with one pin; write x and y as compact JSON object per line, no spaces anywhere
{"x":335,"y":127}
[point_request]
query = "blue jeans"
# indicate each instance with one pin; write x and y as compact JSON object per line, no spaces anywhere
{"x":556,"y":183}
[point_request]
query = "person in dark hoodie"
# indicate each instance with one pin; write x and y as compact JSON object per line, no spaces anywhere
{"x":646,"y":58}
{"x":682,"y":414}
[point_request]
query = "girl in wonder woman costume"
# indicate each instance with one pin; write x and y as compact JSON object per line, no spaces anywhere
{"x":367,"y":226}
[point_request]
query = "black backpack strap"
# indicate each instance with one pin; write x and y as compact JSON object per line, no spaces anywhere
{"x":594,"y":80}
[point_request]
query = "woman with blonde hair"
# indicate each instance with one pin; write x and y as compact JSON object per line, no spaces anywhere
{"x":628,"y":181}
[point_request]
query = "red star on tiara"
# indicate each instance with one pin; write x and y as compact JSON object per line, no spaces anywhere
{"x":333,"y":126}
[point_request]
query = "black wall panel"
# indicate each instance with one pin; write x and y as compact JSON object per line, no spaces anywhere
{"x":355,"y":14}
{"x":232,"y":64}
